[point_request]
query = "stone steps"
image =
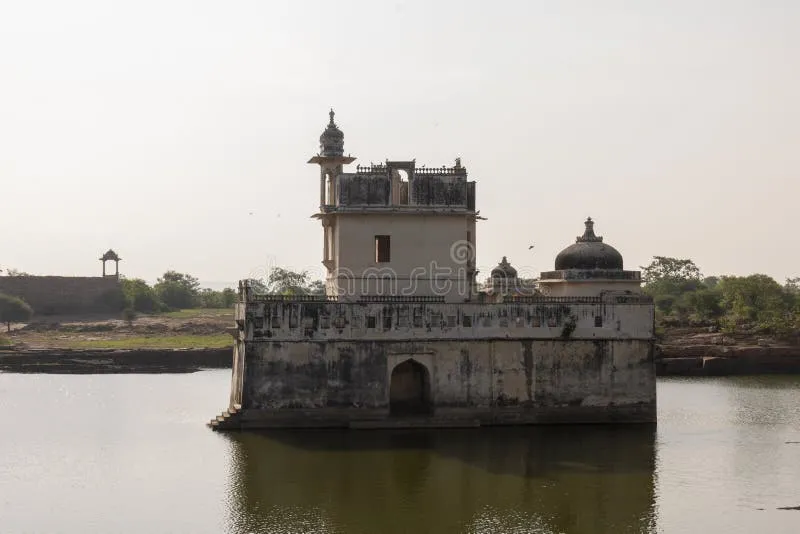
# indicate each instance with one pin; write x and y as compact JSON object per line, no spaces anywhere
{"x":227,"y":420}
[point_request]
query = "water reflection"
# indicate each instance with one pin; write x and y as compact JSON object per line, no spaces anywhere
{"x":543,"y":480}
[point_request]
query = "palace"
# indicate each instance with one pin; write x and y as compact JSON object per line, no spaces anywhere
{"x":406,"y":337}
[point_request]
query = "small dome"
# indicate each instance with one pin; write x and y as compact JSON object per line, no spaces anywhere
{"x":589,"y":252}
{"x":110,"y":255}
{"x":331,"y":142}
{"x":504,"y":270}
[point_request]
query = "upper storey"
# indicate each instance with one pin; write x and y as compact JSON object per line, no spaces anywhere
{"x":403,"y":185}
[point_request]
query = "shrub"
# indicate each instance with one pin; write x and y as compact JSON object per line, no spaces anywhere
{"x":129,"y":315}
{"x":13,"y":310}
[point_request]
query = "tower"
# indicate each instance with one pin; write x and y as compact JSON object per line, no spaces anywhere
{"x":395,"y":229}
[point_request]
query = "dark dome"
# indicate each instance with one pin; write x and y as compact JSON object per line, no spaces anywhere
{"x":504,"y":270}
{"x":589,"y":252}
{"x":331,"y":142}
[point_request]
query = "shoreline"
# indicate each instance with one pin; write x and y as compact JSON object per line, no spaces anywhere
{"x":715,"y":360}
{"x":671,"y":360}
{"x":112,"y":361}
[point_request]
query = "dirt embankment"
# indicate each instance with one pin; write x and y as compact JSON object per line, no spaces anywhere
{"x":185,"y":329}
{"x":698,"y":352}
{"x":181,"y":342}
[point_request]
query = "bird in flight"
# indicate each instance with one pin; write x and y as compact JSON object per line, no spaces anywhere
{"x":530,"y":247}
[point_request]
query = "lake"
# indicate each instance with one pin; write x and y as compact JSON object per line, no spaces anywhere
{"x":132,"y":454}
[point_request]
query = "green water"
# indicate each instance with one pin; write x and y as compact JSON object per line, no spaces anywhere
{"x":130,"y":453}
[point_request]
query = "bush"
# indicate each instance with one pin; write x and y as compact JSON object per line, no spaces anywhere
{"x":113,"y":299}
{"x":141,"y":297}
{"x":129,"y":315}
{"x":13,"y":310}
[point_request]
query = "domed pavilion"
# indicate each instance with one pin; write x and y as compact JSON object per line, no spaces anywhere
{"x":589,"y":267}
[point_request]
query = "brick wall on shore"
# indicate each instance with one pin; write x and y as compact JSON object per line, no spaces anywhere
{"x":51,"y":295}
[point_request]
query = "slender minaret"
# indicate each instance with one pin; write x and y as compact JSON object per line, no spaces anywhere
{"x":330,"y":160}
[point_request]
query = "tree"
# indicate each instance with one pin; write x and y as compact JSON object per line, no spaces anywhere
{"x":13,"y":310}
{"x":317,"y":287}
{"x":286,"y":282}
{"x":177,"y":290}
{"x":704,"y":303}
{"x":15,"y":272}
{"x":229,"y":297}
{"x":140,"y":296}
{"x":757,"y":300}
{"x":258,"y":286}
{"x":664,"y":268}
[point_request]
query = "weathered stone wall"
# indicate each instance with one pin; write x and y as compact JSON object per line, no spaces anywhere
{"x":374,"y":188}
{"x":49,"y":295}
{"x":546,"y":361}
{"x":478,"y":373}
{"x":392,"y":319}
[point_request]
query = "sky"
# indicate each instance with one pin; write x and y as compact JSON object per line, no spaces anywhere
{"x":177,"y":132}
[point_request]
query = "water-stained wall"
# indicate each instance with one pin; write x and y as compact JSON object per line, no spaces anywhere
{"x":374,"y":188}
{"x":485,"y":374}
{"x":489,"y":361}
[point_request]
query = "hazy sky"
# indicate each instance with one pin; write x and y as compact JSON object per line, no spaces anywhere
{"x":156,"y":128}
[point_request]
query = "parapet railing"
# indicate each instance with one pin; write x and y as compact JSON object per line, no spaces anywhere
{"x":389,"y":299}
{"x":552,"y":300}
{"x":429,"y":171}
{"x":256,"y":297}
{"x":400,"y":298}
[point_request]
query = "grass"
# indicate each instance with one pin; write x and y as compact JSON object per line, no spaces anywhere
{"x":199,"y":312}
{"x":4,"y":341}
{"x":213,"y":341}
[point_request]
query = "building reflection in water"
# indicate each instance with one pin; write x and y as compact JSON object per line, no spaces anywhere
{"x":535,"y":479}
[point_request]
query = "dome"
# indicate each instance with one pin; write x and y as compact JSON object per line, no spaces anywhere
{"x":504,"y":270}
{"x":331,"y":142}
{"x":110,"y":255}
{"x":589,"y":252}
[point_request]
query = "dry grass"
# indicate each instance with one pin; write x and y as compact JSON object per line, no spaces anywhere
{"x":214,"y":341}
{"x":217,"y":313}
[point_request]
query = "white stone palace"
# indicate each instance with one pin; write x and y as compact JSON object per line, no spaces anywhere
{"x":406,"y":337}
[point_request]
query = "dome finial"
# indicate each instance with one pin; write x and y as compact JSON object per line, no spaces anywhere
{"x":331,"y":114}
{"x":588,"y":234}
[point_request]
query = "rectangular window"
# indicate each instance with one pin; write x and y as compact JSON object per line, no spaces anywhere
{"x":598,"y":321}
{"x":370,"y":321}
{"x":418,"y":322}
{"x":402,"y":318}
{"x":467,"y":320}
{"x":382,"y":249}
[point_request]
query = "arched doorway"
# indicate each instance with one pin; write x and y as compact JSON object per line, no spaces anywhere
{"x":410,"y":390}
